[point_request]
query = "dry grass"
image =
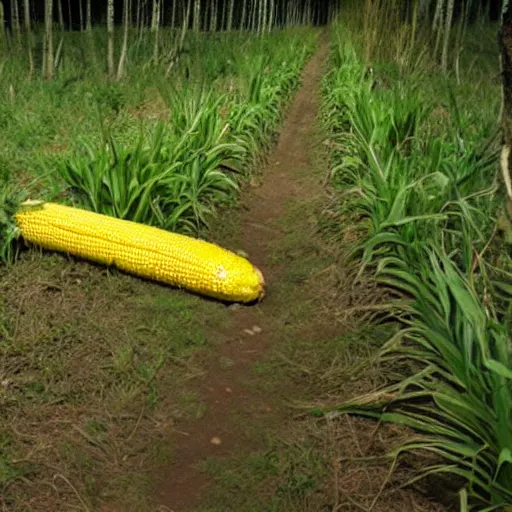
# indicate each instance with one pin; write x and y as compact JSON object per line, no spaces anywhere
{"x":87,"y":365}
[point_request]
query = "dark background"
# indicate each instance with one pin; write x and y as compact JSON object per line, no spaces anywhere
{"x":99,"y":8}
{"x":320,"y":9}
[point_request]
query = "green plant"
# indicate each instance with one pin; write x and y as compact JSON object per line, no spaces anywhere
{"x":10,"y":199}
{"x":166,"y":183}
{"x":459,"y":397}
{"x":428,"y":196}
{"x":176,"y":176}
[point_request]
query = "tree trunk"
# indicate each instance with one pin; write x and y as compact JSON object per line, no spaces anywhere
{"x":197,"y":15}
{"x":61,"y":15}
{"x":230,"y":15}
{"x":2,"y":22}
{"x":414,"y":22}
{"x":173,"y":14}
{"x":81,"y":15}
{"x":264,"y":16}
{"x":154,"y":16}
{"x":15,"y":20}
{"x":447,"y":32}
{"x":213,"y":15}
{"x":260,"y":16}
{"x":88,"y":26}
{"x":437,"y":24}
{"x":155,"y":26}
{"x":28,"y":30}
{"x":505,"y":42}
{"x":110,"y":37}
{"x":48,"y":57}
{"x":244,"y":13}
{"x":70,"y":21}
{"x":124,"y":50}
{"x":175,"y":52}
{"x":271,"y":20}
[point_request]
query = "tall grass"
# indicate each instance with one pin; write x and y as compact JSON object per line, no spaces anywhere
{"x":48,"y":117}
{"x":417,"y":162}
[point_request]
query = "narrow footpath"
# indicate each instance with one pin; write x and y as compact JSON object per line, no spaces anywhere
{"x":279,"y":208}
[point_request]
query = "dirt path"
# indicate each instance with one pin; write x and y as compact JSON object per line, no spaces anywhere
{"x":287,"y":181}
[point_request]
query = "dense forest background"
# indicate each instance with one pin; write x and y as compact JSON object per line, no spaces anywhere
{"x":74,"y":10}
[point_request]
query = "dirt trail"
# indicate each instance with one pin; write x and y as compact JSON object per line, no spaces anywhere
{"x":286,"y":181}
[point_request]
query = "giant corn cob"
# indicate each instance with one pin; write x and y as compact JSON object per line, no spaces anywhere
{"x":149,"y":252}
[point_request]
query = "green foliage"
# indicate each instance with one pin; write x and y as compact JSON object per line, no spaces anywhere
{"x":421,"y":172}
{"x":189,"y":164}
{"x":10,"y":199}
{"x":461,"y":398}
{"x":172,"y":182}
{"x":162,"y":152}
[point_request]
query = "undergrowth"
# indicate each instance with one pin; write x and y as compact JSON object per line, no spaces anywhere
{"x":415,"y":158}
{"x":163,"y":151}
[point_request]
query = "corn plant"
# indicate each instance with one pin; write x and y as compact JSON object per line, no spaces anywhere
{"x":460,"y":398}
{"x":429,"y":205}
{"x":167,"y":183}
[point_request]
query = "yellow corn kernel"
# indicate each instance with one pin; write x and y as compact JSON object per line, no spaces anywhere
{"x":145,"y":251}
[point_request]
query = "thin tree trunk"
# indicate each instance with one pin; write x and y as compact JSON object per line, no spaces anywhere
{"x":265,"y":16}
{"x":88,"y":26}
{"x":154,"y":16}
{"x":414,"y":22}
{"x":271,"y":20}
{"x":447,"y":32}
{"x":173,"y":13}
{"x":15,"y":20}
{"x":155,"y":27}
{"x":60,"y":14}
{"x":230,"y":15}
{"x":2,"y":21}
{"x":81,"y":15}
{"x":223,"y":16}
{"x":121,"y":68}
{"x":70,"y":20}
{"x":213,"y":15}
{"x":175,"y":53}
{"x":48,"y":58}
{"x":505,"y":42}
{"x":197,"y":15}
{"x":254,"y":25}
{"x":146,"y":17}
{"x":437,"y":24}
{"x":110,"y":38}
{"x":260,"y":17}
{"x":28,"y":30}
{"x":244,"y":13}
